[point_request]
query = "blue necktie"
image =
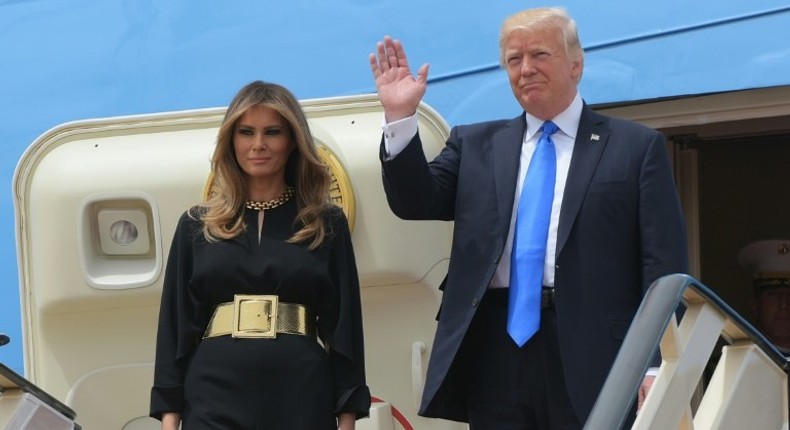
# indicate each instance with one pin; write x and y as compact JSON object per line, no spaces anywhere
{"x":529,"y":239}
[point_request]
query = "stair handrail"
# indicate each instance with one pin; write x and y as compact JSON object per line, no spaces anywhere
{"x":641,"y":343}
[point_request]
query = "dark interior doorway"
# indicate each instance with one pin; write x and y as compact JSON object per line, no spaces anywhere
{"x":743,"y":194}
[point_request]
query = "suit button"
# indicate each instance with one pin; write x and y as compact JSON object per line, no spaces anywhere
{"x":475,"y":302}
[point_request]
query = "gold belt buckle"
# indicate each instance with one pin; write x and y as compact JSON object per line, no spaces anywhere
{"x":254,"y":316}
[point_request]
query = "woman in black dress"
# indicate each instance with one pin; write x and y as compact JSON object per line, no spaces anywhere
{"x":266,"y":239}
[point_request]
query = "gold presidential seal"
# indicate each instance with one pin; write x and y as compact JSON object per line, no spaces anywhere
{"x":340,"y":191}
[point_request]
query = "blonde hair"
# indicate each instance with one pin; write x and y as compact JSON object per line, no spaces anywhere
{"x":222,"y":212}
{"x":542,"y":19}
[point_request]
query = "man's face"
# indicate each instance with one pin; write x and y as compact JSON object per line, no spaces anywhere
{"x":542,"y":76}
{"x":772,"y":308}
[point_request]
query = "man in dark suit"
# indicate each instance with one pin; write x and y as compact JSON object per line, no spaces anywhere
{"x":615,"y":226}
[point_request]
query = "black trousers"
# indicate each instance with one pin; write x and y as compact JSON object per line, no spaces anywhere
{"x":512,"y":388}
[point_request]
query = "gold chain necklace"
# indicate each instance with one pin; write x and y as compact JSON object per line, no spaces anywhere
{"x":273,"y":203}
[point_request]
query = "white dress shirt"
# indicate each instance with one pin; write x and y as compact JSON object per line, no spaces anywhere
{"x":398,"y":134}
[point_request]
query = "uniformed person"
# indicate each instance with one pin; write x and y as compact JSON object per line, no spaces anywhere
{"x":769,"y":261}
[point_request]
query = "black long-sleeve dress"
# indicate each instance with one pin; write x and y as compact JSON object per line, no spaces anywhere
{"x":290,"y":382}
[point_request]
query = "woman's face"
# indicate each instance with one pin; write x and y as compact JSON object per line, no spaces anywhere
{"x":262,"y":143}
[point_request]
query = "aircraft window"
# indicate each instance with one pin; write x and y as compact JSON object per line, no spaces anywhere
{"x":123,"y":232}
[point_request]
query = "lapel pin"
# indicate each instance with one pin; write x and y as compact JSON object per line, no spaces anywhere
{"x":595,"y":137}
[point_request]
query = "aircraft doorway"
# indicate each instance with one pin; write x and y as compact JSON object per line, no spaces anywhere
{"x":742,"y":196}
{"x":731,"y":155}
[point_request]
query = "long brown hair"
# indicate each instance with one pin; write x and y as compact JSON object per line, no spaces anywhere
{"x":223,"y":214}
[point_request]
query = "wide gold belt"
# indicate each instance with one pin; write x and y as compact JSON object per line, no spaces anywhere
{"x":260,"y":316}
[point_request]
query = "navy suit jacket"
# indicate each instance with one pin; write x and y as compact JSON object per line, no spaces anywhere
{"x":620,"y":228}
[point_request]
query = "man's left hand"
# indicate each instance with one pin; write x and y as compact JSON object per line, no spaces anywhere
{"x":647,"y":383}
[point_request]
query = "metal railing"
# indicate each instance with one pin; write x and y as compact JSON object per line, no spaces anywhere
{"x":748,"y":389}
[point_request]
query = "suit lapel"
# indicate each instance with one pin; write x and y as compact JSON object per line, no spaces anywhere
{"x":591,"y":140}
{"x":507,"y":153}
